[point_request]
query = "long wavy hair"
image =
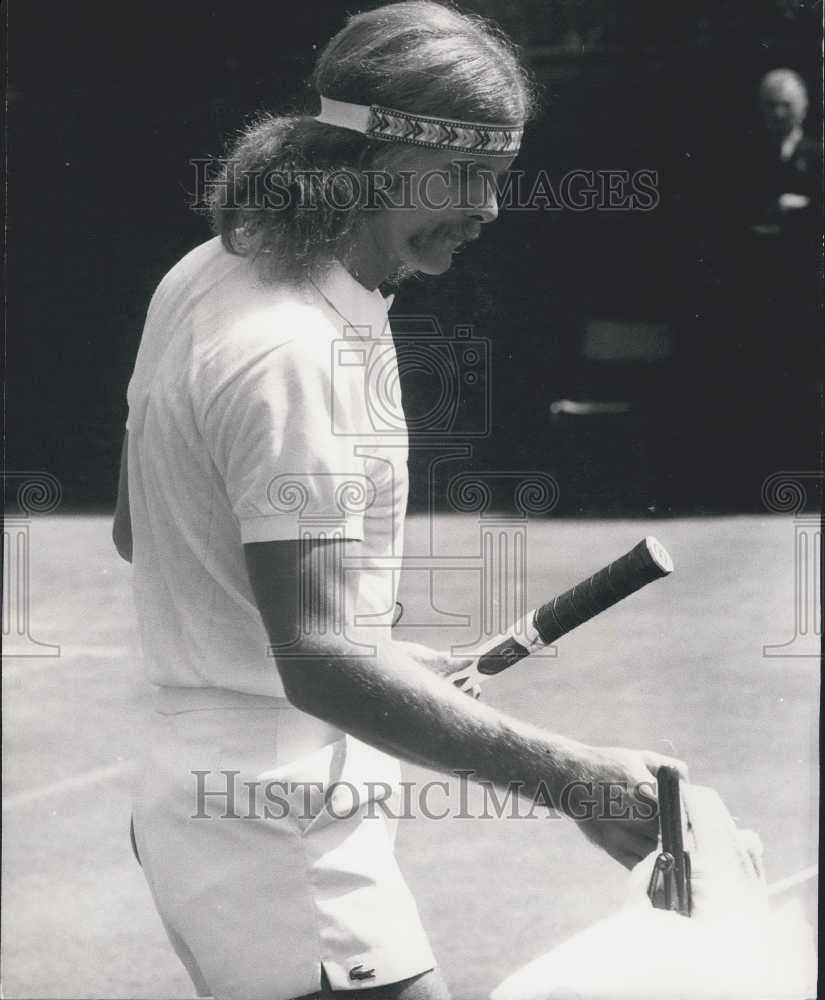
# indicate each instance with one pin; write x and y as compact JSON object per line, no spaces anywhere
{"x":416,"y":56}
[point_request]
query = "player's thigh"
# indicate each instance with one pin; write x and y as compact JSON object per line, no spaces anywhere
{"x":428,"y":986}
{"x":184,"y":953}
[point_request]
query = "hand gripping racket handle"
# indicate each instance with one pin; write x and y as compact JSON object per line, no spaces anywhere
{"x":644,"y":563}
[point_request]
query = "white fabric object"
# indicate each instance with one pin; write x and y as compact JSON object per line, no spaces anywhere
{"x":733,"y":947}
{"x":295,"y":871}
{"x":253,"y":417}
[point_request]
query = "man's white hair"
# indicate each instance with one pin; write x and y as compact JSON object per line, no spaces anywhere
{"x":784,"y":80}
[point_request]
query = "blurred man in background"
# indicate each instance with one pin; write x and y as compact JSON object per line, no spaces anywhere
{"x":784,"y":176}
{"x":764,"y":379}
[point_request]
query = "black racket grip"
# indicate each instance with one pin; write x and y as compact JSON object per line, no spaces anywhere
{"x":644,"y":563}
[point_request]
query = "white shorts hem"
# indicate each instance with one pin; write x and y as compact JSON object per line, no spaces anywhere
{"x":378,"y":967}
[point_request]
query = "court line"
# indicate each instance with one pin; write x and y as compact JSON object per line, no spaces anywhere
{"x":23,"y":665}
{"x":793,"y":880}
{"x":93,"y":651}
{"x":68,"y":784}
{"x":69,"y":650}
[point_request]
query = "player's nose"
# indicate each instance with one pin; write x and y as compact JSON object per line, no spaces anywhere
{"x":486,"y":209}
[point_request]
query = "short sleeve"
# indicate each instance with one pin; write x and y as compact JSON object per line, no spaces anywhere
{"x":275,"y":435}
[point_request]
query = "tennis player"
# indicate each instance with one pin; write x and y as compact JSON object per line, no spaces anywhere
{"x":262,"y":484}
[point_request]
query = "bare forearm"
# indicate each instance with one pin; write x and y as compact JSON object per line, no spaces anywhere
{"x":397,"y":705}
{"x":402,"y":703}
{"x":391,"y":699}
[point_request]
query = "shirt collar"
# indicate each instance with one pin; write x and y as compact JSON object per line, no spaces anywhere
{"x":790,"y":142}
{"x":348,"y":297}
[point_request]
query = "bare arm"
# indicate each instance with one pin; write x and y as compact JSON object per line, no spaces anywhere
{"x":122,"y":526}
{"x":393,"y":702}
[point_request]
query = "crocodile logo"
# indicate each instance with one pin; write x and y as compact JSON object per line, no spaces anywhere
{"x":359,"y":973}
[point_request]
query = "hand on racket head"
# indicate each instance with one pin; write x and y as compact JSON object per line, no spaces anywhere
{"x":616,"y":808}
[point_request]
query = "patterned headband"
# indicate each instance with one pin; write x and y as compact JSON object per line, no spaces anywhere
{"x":421,"y":130}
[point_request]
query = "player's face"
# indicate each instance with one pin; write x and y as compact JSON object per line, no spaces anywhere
{"x":447,"y":198}
{"x":783,"y":108}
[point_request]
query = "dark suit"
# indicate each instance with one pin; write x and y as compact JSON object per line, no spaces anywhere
{"x":767,"y":372}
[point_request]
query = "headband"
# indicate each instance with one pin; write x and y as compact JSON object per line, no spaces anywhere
{"x":421,"y":130}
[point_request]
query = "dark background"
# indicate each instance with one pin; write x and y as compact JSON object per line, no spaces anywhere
{"x":109,"y":100}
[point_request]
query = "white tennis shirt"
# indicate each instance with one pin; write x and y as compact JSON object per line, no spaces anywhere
{"x":256,"y":413}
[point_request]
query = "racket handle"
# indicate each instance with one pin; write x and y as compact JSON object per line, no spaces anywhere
{"x":645,"y":562}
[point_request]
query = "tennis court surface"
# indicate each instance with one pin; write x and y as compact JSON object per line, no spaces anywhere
{"x":678,"y":667}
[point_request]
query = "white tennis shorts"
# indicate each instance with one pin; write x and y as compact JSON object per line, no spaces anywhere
{"x":269,"y":855}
